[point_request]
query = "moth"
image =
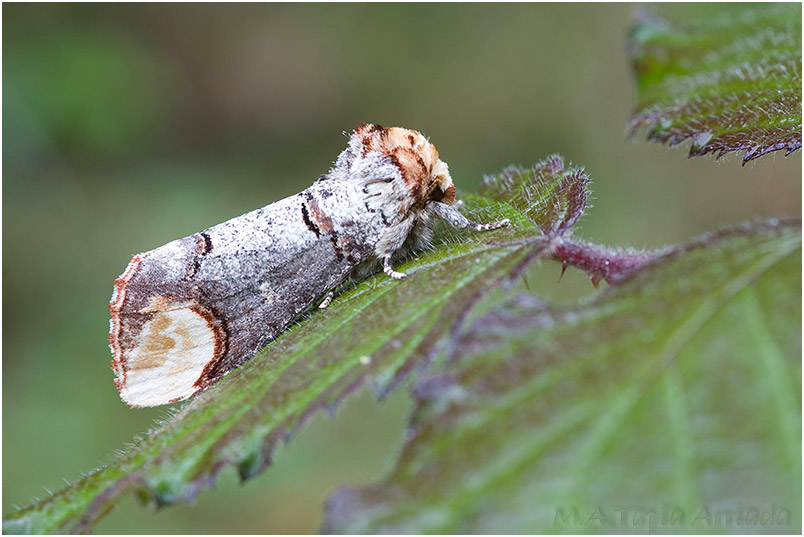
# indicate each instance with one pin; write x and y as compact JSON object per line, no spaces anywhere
{"x":187,"y":313}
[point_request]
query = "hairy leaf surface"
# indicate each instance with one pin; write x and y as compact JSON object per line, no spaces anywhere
{"x":671,"y":403}
{"x":728,"y":80}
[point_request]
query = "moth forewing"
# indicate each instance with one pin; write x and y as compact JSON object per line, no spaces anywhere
{"x":188,"y":312}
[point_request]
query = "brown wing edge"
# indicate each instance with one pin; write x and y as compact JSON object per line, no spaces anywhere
{"x":118,"y":364}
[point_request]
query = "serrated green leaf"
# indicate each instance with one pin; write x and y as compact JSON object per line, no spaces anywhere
{"x":375,"y":334}
{"x":552,"y":205}
{"x":669,"y":404}
{"x":729,"y":80}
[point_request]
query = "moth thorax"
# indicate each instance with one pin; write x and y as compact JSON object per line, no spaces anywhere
{"x":416,"y":158}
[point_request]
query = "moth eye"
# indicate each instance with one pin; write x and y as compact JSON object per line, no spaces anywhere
{"x":437,"y":194}
{"x":444,"y":196}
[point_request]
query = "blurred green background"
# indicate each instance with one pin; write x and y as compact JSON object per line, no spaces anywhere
{"x":126,"y":126}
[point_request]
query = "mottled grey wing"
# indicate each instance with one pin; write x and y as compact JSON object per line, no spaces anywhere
{"x":188,"y":312}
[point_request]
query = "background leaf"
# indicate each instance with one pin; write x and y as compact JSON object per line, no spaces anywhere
{"x":729,"y":80}
{"x":376,"y":333}
{"x":671,"y":403}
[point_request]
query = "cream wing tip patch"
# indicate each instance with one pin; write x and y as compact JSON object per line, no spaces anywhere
{"x":173,"y":349}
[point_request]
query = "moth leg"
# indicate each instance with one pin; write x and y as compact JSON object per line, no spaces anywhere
{"x":327,"y":300}
{"x":389,"y":270}
{"x":453,"y":217}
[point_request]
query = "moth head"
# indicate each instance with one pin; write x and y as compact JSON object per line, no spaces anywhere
{"x":426,"y":176}
{"x":440,"y":187}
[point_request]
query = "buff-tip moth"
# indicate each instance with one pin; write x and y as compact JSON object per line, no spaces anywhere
{"x":187,"y":313}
